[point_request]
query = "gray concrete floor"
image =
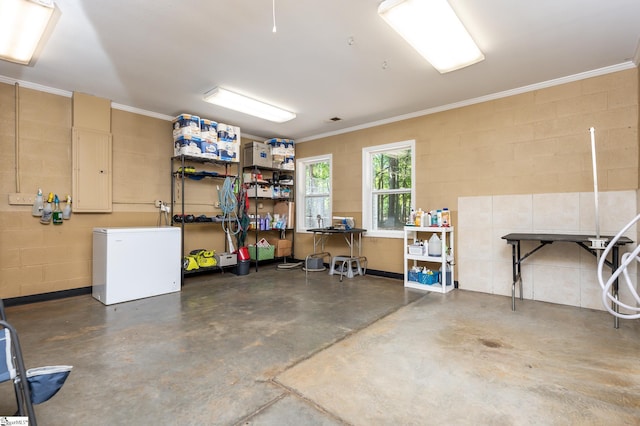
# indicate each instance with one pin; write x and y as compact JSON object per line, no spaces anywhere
{"x":274,"y":348}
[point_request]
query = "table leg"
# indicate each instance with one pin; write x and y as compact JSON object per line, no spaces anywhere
{"x":520,"y":272}
{"x":351,"y":259}
{"x":351,"y":245}
{"x":514,"y":275}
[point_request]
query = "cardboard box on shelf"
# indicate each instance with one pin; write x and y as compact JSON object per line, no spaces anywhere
{"x":283,"y":248}
{"x":257,"y":154}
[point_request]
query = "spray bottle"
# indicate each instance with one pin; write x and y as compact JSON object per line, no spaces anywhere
{"x":38,"y":204}
{"x":47,"y":211}
{"x":57,"y":213}
{"x":66,"y":213}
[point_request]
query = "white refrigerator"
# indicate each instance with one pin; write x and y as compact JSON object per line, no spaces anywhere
{"x":134,"y":263}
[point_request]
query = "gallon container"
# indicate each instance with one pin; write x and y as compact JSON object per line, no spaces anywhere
{"x":435,"y":246}
{"x":445,"y":276}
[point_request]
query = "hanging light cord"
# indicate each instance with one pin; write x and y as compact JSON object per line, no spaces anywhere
{"x":274,"y":16}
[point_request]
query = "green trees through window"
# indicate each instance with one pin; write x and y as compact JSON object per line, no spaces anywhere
{"x":391,"y":173}
{"x":316,"y":181}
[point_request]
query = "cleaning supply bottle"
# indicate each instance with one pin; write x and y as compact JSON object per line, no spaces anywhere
{"x":446,"y":217}
{"x":66,"y":213}
{"x":57,"y":212}
{"x":268,"y":221}
{"x":47,"y":210}
{"x":418,"y":220}
{"x":38,"y":204}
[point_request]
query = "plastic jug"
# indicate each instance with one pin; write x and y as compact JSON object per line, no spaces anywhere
{"x":435,"y":246}
{"x":445,"y":276}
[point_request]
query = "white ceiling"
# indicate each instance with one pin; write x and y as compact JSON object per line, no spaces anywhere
{"x":163,"y":55}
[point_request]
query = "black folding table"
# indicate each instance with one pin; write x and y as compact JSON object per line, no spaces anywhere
{"x":583,"y":241}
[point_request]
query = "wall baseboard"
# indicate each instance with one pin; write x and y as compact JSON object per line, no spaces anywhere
{"x":24,"y":300}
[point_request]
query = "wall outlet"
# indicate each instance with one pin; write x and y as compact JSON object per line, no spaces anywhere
{"x":22,"y":199}
{"x":157,"y":203}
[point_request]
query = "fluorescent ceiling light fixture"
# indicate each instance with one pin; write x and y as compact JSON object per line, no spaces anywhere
{"x":434,"y":30}
{"x":234,"y":101}
{"x":22,"y":26}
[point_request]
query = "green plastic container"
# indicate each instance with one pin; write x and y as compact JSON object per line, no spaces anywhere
{"x":264,"y":253}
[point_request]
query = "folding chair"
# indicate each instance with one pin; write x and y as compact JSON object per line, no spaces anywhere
{"x":42,"y":383}
{"x":12,"y":368}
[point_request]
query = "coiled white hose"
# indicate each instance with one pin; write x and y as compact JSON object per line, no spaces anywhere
{"x":626,"y":260}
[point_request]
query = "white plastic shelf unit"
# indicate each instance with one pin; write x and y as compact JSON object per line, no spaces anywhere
{"x":416,"y":233}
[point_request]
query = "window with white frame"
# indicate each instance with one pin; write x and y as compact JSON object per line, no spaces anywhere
{"x":313,"y":192}
{"x":388,"y":187}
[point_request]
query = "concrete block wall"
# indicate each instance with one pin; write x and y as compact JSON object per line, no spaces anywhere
{"x":531,"y":143}
{"x":36,"y":258}
{"x":536,"y":142}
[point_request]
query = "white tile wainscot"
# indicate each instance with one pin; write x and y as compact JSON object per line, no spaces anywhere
{"x":562,"y":274}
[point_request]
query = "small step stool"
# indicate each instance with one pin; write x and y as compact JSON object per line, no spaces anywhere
{"x":348,"y":266}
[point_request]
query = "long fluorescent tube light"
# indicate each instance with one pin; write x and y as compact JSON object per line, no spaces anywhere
{"x":22,"y":25}
{"x":434,"y":30}
{"x":234,"y":101}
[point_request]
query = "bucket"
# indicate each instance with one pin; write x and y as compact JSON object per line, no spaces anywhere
{"x":242,"y":268}
{"x":314,"y":263}
{"x":243,"y":253}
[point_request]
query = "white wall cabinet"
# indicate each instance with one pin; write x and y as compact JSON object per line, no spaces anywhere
{"x":443,"y":263}
{"x":91,"y":174}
